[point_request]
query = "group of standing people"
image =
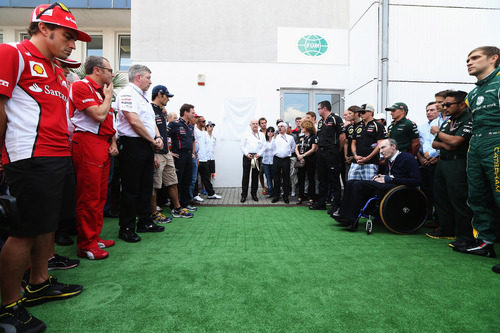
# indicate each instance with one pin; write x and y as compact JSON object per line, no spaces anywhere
{"x":310,"y":151}
{"x":454,"y":157}
{"x":59,"y":138}
{"x":41,"y":163}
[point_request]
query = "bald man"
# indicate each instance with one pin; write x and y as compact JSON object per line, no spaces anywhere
{"x":252,"y":147}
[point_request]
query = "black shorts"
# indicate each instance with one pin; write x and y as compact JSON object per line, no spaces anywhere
{"x":44,"y":189}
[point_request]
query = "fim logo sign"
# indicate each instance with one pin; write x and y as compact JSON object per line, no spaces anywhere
{"x":312,"y":45}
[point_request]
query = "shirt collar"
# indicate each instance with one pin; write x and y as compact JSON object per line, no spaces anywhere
{"x":495,"y":72}
{"x":139,"y":91}
{"x":394,"y":157}
{"x":398,"y":121}
{"x":35,"y":52}
{"x":93,"y":83}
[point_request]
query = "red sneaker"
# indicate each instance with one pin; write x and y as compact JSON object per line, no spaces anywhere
{"x":104,"y":243}
{"x":93,"y":254}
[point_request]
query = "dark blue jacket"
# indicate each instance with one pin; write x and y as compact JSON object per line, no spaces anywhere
{"x":182,"y":136}
{"x":403,"y":171}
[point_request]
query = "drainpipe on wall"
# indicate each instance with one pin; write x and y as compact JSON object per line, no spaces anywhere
{"x":383,"y":52}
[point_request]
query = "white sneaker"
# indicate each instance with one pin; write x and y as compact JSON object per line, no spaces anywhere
{"x":214,"y":196}
{"x":198,"y":198}
{"x":293,"y":194}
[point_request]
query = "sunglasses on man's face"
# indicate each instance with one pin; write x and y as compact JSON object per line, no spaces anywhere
{"x":447,"y":105}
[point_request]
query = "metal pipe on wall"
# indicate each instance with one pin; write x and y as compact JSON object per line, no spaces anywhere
{"x":383,"y":50}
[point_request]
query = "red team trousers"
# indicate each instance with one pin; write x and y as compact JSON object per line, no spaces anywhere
{"x":91,"y":161}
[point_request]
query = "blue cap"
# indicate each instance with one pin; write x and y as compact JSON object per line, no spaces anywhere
{"x":161,"y":89}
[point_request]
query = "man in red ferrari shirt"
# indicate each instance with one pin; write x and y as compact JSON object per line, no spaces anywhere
{"x":37,"y":160}
{"x":93,"y":142}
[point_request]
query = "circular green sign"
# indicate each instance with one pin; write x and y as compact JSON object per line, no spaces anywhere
{"x":312,"y":45}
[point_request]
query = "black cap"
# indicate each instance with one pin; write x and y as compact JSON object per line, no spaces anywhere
{"x":161,"y":89}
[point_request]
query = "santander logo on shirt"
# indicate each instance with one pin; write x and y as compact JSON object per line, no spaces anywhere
{"x":35,"y":88}
{"x":46,"y":89}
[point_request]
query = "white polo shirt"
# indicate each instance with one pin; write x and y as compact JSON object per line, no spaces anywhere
{"x":133,"y":99}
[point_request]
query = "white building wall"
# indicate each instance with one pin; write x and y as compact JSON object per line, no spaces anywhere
{"x":363,"y":53}
{"x":224,"y":30}
{"x":235,"y":45}
{"x":235,"y":81}
{"x":428,"y":45}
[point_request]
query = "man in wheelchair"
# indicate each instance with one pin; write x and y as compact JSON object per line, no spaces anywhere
{"x":400,"y":168}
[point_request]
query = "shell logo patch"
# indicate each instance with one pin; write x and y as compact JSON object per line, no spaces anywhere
{"x":37,"y":69}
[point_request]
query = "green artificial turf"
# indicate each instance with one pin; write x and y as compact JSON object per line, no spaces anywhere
{"x":276,"y":269}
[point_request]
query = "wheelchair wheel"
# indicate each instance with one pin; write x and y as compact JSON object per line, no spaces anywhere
{"x":403,"y":209}
{"x":369,"y":226}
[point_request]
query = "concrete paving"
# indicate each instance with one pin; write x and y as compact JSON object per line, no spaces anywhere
{"x":231,"y":197}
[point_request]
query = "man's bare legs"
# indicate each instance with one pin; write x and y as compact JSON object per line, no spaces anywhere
{"x":173,"y":193}
{"x":16,"y":255}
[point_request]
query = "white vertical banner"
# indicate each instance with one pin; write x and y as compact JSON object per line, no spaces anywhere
{"x":238,"y":112}
{"x":313,"y":46}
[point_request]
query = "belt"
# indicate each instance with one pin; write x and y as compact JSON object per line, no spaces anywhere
{"x":182,"y":151}
{"x":328,"y":147}
{"x":452,"y":157}
{"x":282,"y":158}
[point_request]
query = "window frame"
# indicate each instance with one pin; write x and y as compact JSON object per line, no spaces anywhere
{"x":312,"y":92}
{"x":119,"y":36}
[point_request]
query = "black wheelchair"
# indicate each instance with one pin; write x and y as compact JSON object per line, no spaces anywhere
{"x":402,"y":210}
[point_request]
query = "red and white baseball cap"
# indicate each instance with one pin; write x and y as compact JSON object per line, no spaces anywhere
{"x":58,"y":14}
{"x":70,"y":63}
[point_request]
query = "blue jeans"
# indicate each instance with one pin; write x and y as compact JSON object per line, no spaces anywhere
{"x":268,"y":171}
{"x":194,"y":177}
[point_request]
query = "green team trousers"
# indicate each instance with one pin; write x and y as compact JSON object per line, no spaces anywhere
{"x":483,"y":176}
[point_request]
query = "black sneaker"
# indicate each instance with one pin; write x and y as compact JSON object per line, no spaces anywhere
{"x":317,"y":206}
{"x":479,"y":248}
{"x":128,"y":235}
{"x":334,"y":212}
{"x":15,"y":318}
{"x":191,"y":208}
{"x":439,"y":235}
{"x":496,"y":268}
{"x":61,"y":262}
{"x":149,"y":228}
{"x":460,"y":243}
{"x":50,"y":290}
